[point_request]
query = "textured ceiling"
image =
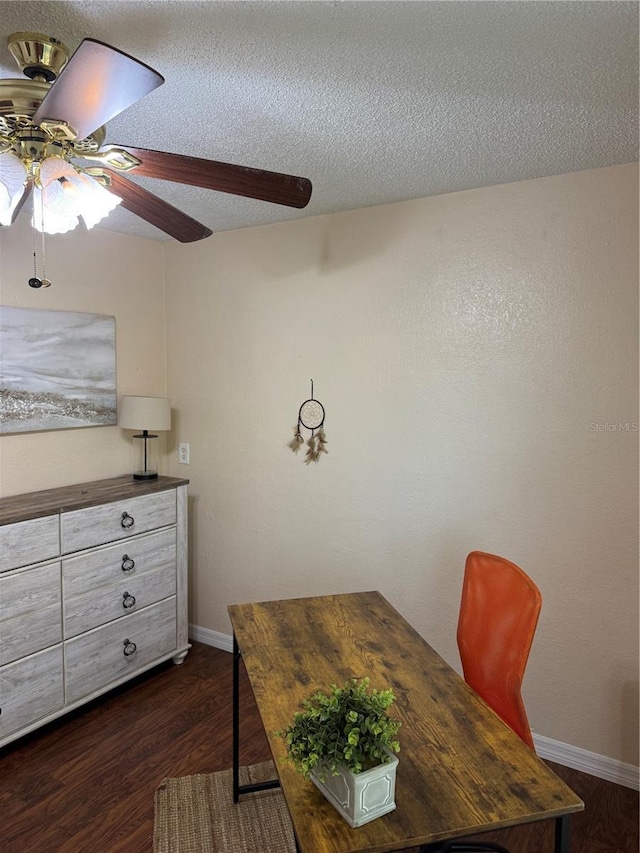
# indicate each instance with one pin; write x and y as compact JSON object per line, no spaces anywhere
{"x":375,"y":102}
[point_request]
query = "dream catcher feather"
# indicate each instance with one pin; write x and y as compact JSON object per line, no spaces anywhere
{"x":310,"y":416}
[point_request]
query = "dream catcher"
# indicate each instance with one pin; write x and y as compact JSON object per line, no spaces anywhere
{"x":310,"y":416}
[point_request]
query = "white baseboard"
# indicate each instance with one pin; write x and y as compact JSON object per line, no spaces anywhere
{"x":211,"y":638}
{"x":588,"y":762}
{"x":553,"y":750}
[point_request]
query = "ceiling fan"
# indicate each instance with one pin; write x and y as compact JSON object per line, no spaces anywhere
{"x":51,"y":143}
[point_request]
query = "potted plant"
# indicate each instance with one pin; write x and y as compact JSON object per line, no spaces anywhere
{"x":344,"y":742}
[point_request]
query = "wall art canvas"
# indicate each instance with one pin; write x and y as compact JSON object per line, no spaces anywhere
{"x":57,"y":369}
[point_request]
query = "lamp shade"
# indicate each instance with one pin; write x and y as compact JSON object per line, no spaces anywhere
{"x":150,"y":413}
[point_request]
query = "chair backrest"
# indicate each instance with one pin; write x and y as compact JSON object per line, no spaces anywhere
{"x":498,"y":616}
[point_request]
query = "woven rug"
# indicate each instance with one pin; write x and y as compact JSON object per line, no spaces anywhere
{"x":196,"y":814}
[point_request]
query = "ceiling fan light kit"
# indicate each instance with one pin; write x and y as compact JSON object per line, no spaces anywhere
{"x":52,"y":145}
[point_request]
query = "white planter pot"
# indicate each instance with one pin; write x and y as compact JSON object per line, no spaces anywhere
{"x":361,"y":797}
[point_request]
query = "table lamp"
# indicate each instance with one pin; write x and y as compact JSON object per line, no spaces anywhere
{"x":145,"y":413}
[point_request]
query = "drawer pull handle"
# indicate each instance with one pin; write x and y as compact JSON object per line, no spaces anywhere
{"x":127,"y":520}
{"x":129,"y":648}
{"x":128,"y":600}
{"x":127,"y":563}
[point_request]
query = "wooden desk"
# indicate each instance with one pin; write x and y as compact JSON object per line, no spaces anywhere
{"x":461,"y":771}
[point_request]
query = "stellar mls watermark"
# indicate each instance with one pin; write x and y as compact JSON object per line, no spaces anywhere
{"x":615,"y":426}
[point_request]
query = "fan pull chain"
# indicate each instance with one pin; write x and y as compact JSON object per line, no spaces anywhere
{"x":35,"y":281}
{"x":44,"y":276}
{"x":35,"y":244}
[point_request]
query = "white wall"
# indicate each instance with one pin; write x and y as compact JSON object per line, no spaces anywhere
{"x":101,"y":273}
{"x":463,"y":347}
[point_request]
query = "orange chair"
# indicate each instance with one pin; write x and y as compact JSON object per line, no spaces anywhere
{"x":498,"y":616}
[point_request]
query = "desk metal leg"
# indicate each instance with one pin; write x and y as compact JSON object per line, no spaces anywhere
{"x":562,"y":835}
{"x":237,"y":787}
{"x":236,"y":720}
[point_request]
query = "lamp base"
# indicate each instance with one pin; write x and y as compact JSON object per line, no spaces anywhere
{"x":145,"y":475}
{"x":148,"y":461}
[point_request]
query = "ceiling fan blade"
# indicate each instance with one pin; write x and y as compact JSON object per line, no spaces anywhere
{"x":154,"y":210}
{"x":98,"y":83}
{"x":275,"y":187}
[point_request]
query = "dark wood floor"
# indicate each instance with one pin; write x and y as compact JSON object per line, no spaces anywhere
{"x":85,"y":783}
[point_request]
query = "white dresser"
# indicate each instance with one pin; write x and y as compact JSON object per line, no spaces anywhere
{"x":93,"y":591}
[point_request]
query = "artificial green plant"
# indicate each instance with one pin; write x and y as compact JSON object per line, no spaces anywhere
{"x":346,"y":726}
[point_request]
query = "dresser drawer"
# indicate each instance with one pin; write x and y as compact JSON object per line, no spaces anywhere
{"x":125,"y":596}
{"x":30,"y":689}
{"x":114,"y":563}
{"x":97,"y":525}
{"x":28,"y":542}
{"x":96,"y":659}
{"x":30,"y":611}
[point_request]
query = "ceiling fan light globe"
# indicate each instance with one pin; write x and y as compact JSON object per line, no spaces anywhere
{"x":97,"y":202}
{"x":68,"y":194}
{"x":53,"y":168}
{"x":63,"y":197}
{"x":13,"y":175}
{"x":50,"y":221}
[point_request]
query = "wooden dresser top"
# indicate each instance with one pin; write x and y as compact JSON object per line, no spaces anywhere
{"x":80,"y":495}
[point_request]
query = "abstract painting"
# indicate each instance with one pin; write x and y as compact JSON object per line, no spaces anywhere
{"x":57,"y":369}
